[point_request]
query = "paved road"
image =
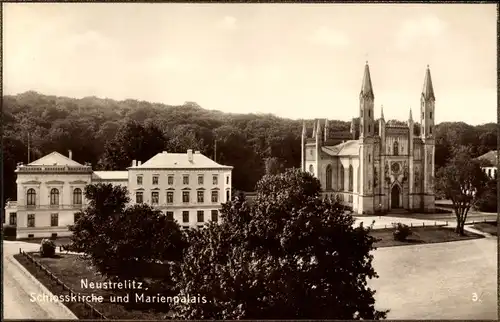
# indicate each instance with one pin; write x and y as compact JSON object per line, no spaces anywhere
{"x":17,"y":288}
{"x":456,"y":280}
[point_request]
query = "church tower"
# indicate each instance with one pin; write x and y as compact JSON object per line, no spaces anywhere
{"x":363,"y":177}
{"x":427,"y":116}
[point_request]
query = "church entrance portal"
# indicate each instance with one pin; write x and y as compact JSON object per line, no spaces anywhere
{"x":395,"y":192}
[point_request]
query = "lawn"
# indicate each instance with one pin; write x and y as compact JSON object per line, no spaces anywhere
{"x":71,"y":269}
{"x":487,"y":227}
{"x":420,"y":235}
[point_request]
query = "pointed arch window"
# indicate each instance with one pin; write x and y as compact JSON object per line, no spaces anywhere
{"x":351,"y":178}
{"x":329,"y":177}
{"x":342,"y":178}
{"x":396,"y":148}
{"x":77,"y":196}
{"x":54,"y":197}
{"x":31,"y":197}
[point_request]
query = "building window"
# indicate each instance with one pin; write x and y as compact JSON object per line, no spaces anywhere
{"x":170,"y":197}
{"x":215,"y":215}
{"x":396,"y":148}
{"x":489,"y":173}
{"x":77,"y":196}
{"x":311,"y":169}
{"x":430,"y":129}
{"x":185,"y":216}
{"x":200,"y":215}
{"x":200,"y":179}
{"x":155,"y":180}
{"x":369,"y":128}
{"x":369,"y":113}
{"x":76,"y":216}
{"x":13,"y":219}
{"x":170,"y":180}
{"x":201,"y":196}
{"x":31,"y":220}
{"x":227,"y":180}
{"x":54,"y":220}
{"x":139,"y":197}
{"x":31,"y":197}
{"x":369,"y":158}
{"x":430,"y":115}
{"x":54,"y":197}
{"x":170,"y":215}
{"x":228,"y":195}
{"x":185,"y":196}
{"x":423,"y":116}
{"x":185,"y":179}
{"x":155,"y":196}
{"x":329,"y":177}
{"x":215,"y":196}
{"x":215,"y":179}
{"x":342,"y":178}
{"x":351,"y":178}
{"x":310,"y":152}
{"x":139,"y":180}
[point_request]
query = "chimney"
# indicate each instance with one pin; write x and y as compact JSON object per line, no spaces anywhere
{"x":134,"y":163}
{"x":190,"y":155}
{"x":139,"y":163}
{"x":70,"y":153}
{"x":196,"y":152}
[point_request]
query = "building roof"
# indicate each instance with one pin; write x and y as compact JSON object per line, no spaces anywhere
{"x":180,"y":161}
{"x":428,"y":90}
{"x":491,"y":156}
{"x":348,"y":148}
{"x":110,"y":175}
{"x":366,"y":86}
{"x":55,"y":158}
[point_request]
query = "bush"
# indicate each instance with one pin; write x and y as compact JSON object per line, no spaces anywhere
{"x":401,"y":231}
{"x":47,"y":248}
{"x":9,"y":232}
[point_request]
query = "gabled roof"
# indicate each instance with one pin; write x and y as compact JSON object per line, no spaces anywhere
{"x":56,"y":158}
{"x":180,"y":160}
{"x":348,"y":148}
{"x":110,"y":175}
{"x":491,"y":156}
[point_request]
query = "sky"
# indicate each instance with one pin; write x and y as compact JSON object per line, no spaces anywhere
{"x":291,"y":60}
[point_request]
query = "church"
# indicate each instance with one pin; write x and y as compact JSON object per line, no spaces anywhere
{"x":379,"y":166}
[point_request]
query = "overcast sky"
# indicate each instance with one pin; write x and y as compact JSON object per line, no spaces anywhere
{"x":292,"y":60}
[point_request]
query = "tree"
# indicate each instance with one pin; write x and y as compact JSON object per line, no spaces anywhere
{"x":462,"y":181}
{"x":291,"y":255}
{"x":113,"y":236}
{"x":488,"y":201}
{"x":273,"y":166}
{"x":133,"y":142}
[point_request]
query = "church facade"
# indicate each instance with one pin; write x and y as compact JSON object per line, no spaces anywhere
{"x":380,"y":166}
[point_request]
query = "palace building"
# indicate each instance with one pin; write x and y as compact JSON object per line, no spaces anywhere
{"x":188,"y":187}
{"x":376,"y":171}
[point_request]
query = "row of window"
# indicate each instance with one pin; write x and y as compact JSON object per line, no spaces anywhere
{"x":186,"y":196}
{"x":329,"y":176}
{"x":185,"y":179}
{"x":54,"y":218}
{"x":54,"y":197}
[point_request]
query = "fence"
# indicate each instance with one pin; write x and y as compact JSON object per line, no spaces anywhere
{"x":423,"y":225}
{"x":94,"y":313}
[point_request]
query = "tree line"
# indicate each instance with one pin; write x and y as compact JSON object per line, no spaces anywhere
{"x":109,"y":134}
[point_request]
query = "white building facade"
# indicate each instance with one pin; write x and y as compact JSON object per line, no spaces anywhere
{"x":188,"y":187}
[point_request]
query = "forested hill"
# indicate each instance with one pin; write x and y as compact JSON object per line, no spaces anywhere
{"x":109,"y":134}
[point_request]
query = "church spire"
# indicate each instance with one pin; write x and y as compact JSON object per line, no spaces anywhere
{"x":410,"y":117}
{"x":366,"y":86}
{"x":428,"y":90}
{"x":304,"y":130}
{"x":314,"y":129}
{"x":326,"y":130}
{"x":382,"y":112}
